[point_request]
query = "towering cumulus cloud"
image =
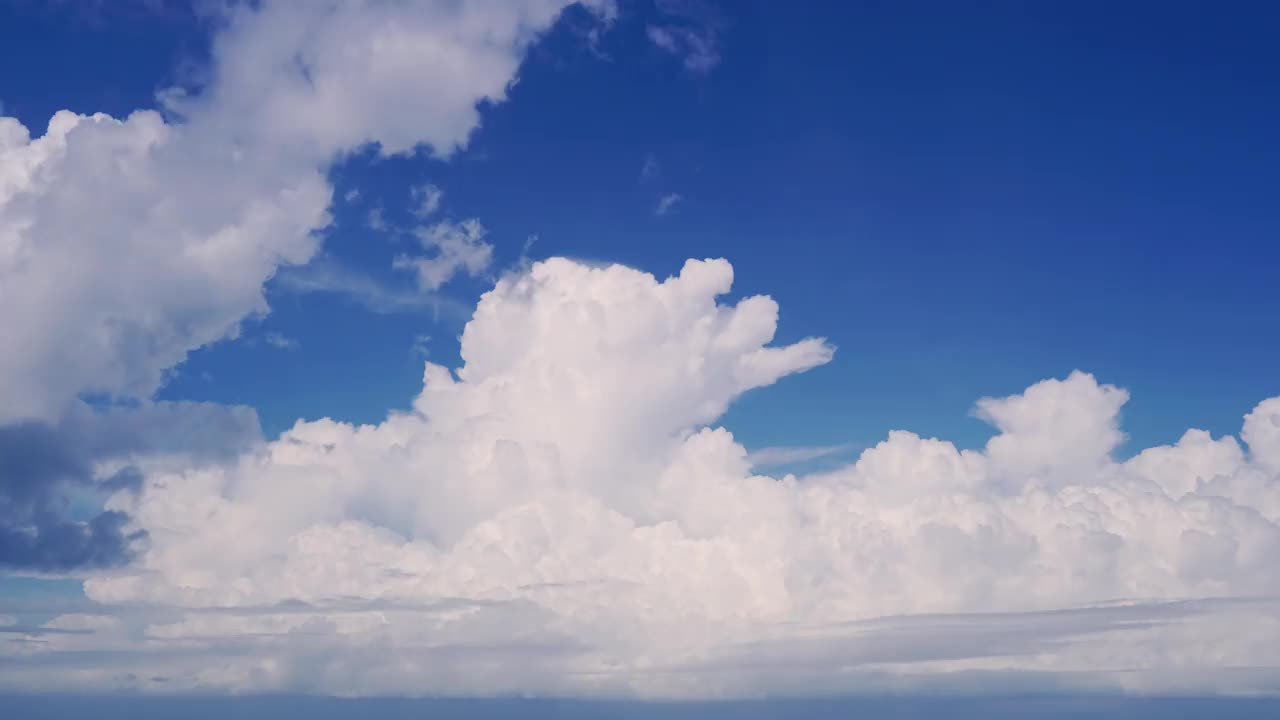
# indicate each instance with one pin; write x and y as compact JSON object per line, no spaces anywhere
{"x":127,"y":243}
{"x":557,"y":516}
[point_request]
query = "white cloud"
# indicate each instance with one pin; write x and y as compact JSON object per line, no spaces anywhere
{"x":689,"y":30}
{"x":322,"y":275}
{"x":421,"y":346}
{"x":667,"y":203}
{"x":651,"y":169}
{"x":454,"y":247}
{"x":558,"y":516}
{"x":126,"y":243}
{"x":427,"y":197}
{"x":280,"y":341}
{"x":697,"y":48}
{"x":783,"y":455}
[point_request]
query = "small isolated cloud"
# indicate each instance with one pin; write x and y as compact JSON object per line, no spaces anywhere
{"x":426,"y":199}
{"x":378,"y":220}
{"x":326,"y":276}
{"x":697,"y":48}
{"x":650,"y":169}
{"x":452,"y":247}
{"x":351,"y":195}
{"x":280,"y":341}
{"x":667,"y":203}
{"x":689,"y":30}
{"x":421,"y":346}
{"x":771,"y":457}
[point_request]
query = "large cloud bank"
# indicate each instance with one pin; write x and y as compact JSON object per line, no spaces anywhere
{"x":558,"y":516}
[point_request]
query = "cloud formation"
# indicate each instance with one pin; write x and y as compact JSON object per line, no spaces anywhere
{"x":126,"y":243}
{"x":689,"y":30}
{"x":560,"y":515}
{"x":667,"y":203}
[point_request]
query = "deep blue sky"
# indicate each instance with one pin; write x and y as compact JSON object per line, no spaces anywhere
{"x":965,"y":197}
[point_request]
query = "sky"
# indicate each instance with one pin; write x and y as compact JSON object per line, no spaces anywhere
{"x":640,"y":351}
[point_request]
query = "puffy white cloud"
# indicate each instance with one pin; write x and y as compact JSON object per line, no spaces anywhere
{"x":126,"y":243}
{"x":558,"y":516}
{"x":453,"y":247}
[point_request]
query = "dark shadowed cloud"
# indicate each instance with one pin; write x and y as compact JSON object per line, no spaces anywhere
{"x":45,"y":467}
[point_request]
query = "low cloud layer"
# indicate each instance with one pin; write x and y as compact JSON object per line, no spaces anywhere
{"x":560,"y":515}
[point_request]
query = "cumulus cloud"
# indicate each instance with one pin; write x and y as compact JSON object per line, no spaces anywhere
{"x":126,"y":243}
{"x":560,"y":515}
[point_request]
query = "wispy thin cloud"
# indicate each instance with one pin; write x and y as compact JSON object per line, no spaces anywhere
{"x":667,"y":203}
{"x":768,"y":457}
{"x":426,"y":198}
{"x":651,"y":169}
{"x":327,"y":276}
{"x":689,"y":30}
{"x":280,"y":341}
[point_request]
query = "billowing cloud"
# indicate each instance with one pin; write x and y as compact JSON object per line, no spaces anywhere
{"x":126,"y":243}
{"x":560,"y":515}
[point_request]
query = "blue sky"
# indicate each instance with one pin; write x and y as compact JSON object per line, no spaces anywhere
{"x":964,"y":199}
